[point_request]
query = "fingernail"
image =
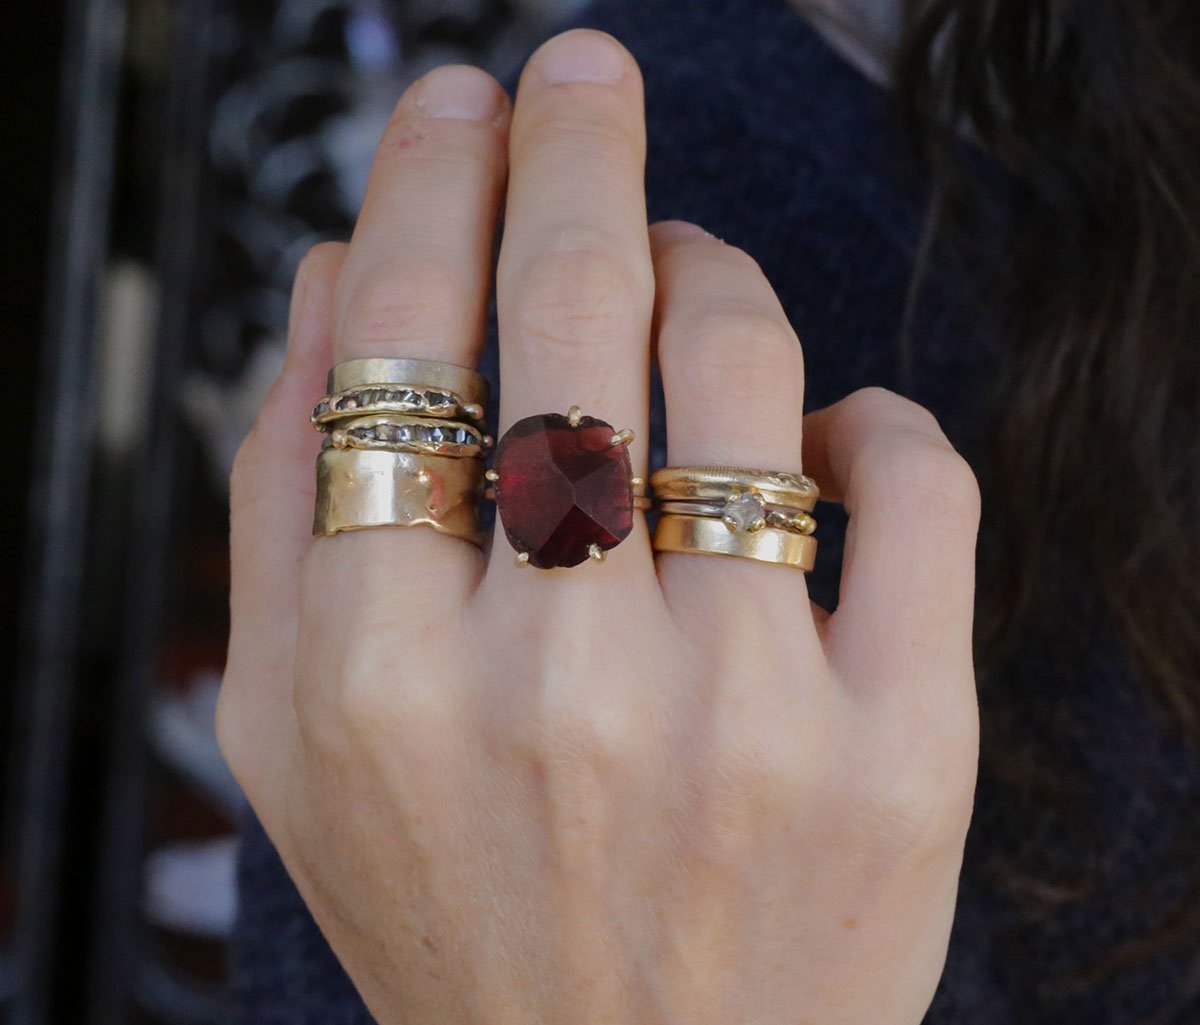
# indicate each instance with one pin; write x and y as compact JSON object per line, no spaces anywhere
{"x":458,"y":91}
{"x":668,"y":231}
{"x":581,"y":56}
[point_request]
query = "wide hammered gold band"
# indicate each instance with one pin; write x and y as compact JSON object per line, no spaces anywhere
{"x":706,"y":535}
{"x":361,"y":488}
{"x":719,"y":483}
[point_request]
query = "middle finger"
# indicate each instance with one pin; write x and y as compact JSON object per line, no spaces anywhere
{"x":575,"y":282}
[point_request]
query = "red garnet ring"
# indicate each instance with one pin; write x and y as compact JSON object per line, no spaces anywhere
{"x":564,"y":488}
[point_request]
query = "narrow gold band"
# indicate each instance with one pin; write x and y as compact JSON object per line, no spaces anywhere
{"x":705,"y":535}
{"x":424,"y":373}
{"x":720,"y":483}
{"x":359,"y":488}
{"x":783,"y":517}
{"x":396,"y":432}
{"x":390,"y":397}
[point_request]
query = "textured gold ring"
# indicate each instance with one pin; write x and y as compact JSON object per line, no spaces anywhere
{"x":390,"y":397}
{"x":706,"y":535}
{"x":393,"y":432}
{"x":765,"y":515}
{"x":720,"y":483}
{"x":360,"y":488}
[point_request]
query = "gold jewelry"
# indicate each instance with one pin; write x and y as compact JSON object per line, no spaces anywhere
{"x":721,"y":483}
{"x":362,"y":488}
{"x":368,"y":400}
{"x":393,"y":432}
{"x":460,"y":382}
{"x":706,"y":535}
{"x":782,"y":517}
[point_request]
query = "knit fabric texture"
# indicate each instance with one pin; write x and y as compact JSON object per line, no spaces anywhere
{"x":759,"y":132}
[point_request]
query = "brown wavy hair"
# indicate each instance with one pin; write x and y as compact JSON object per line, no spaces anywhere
{"x":1092,"y":107}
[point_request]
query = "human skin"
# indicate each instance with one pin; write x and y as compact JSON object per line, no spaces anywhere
{"x":661,"y":790}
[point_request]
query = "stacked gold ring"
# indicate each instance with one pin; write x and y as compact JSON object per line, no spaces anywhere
{"x":404,"y":447}
{"x":762,"y":515}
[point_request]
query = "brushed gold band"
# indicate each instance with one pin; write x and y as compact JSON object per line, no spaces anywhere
{"x":359,"y":488}
{"x":424,"y":373}
{"x":720,"y":483}
{"x":705,"y":535}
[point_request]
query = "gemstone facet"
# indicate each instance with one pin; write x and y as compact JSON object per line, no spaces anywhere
{"x":563,"y":489}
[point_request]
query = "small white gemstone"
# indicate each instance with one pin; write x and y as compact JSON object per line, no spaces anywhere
{"x":745,"y":513}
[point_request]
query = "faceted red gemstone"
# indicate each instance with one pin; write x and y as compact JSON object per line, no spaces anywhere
{"x":563,"y":489}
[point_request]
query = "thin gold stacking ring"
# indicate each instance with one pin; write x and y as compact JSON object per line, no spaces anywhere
{"x":714,"y":483}
{"x":393,"y":432}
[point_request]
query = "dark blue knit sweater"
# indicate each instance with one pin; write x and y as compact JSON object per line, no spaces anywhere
{"x":762,"y":134}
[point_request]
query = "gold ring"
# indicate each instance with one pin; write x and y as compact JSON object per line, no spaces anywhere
{"x":404,"y":399}
{"x":764,"y":515}
{"x":706,"y":535}
{"x":460,"y":382}
{"x":393,"y":432}
{"x":361,"y":488}
{"x":721,"y":483}
{"x":564,"y":488}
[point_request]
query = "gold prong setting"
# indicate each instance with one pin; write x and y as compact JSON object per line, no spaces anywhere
{"x":541,"y":519}
{"x":745,"y":511}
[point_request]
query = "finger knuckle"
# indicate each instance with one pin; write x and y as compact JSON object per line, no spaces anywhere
{"x":561,"y":134}
{"x":573,"y":304}
{"x":753,"y":781}
{"x":941,"y":485}
{"x":583,"y":739}
{"x":401,"y":302}
{"x":573,"y":732}
{"x":925,"y":477}
{"x":382,"y":720}
{"x":916,"y":807}
{"x":735,"y":356}
{"x":365,"y":706}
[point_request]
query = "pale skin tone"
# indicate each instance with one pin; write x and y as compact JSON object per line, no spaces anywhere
{"x":661,"y":790}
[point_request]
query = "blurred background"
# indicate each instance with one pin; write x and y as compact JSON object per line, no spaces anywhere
{"x":168,"y":164}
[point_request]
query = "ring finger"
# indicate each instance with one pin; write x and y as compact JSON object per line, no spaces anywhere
{"x":733,"y":382}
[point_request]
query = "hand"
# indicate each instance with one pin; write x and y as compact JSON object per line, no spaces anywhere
{"x":648,"y":791}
